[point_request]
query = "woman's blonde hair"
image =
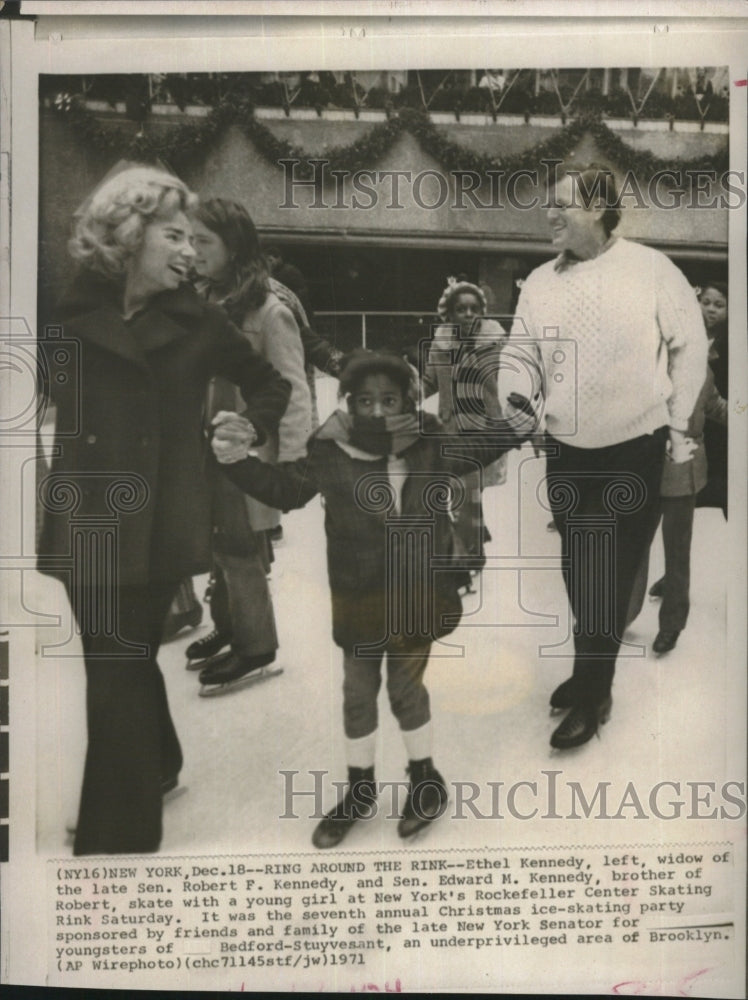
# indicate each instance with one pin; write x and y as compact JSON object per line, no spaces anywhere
{"x":109,"y":229}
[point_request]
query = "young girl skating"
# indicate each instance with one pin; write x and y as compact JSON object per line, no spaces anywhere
{"x":380,"y":468}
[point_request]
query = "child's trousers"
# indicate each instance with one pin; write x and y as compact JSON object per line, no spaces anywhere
{"x":241,"y":605}
{"x":362,"y":678}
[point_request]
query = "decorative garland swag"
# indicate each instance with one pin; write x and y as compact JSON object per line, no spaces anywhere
{"x":184,"y":144}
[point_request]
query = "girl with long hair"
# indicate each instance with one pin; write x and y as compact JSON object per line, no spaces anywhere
{"x":379,"y":464}
{"x":233,"y":273}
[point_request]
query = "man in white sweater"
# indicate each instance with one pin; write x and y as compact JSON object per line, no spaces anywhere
{"x":623,"y":348}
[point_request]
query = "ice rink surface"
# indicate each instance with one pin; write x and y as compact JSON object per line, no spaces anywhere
{"x":489,"y":682}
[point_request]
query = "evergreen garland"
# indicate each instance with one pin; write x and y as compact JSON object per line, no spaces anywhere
{"x":642,"y":163}
{"x":456,"y":158}
{"x":185,"y":143}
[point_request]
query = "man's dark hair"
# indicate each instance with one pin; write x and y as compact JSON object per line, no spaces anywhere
{"x":595,"y":181}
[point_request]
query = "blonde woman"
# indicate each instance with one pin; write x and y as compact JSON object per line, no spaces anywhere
{"x":148,"y":346}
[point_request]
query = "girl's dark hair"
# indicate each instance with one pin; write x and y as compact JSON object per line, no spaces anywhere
{"x":231,"y":221}
{"x":360,"y":363}
{"x":718,"y":286}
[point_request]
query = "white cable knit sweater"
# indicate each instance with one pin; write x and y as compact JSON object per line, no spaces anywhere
{"x":622,"y":342}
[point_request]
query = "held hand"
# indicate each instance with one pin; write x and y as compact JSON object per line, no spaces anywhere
{"x":680,"y":448}
{"x":537,"y":439}
{"x":521,"y":414}
{"x":233,"y":437}
{"x":333,"y":365}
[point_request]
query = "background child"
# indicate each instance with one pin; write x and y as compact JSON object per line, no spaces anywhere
{"x":377,"y":465}
{"x":462,"y":366}
{"x":713,"y":300}
{"x":233,"y":274}
{"x":681,"y":482}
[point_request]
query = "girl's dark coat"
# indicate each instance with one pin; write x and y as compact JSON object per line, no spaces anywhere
{"x":366,"y":540}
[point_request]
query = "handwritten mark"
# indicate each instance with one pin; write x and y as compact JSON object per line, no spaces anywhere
{"x":741,"y":83}
{"x":373,"y":988}
{"x":658,"y":987}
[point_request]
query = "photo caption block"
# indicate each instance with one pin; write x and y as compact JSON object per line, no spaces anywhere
{"x":346,"y":923}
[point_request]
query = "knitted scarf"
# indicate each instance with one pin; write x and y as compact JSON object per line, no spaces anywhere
{"x":380,"y":436}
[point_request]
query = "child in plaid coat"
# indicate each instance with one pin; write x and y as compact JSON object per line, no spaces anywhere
{"x":462,"y":366}
{"x":380,"y":468}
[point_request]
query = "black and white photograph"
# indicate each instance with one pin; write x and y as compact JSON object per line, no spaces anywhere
{"x":374,"y":445}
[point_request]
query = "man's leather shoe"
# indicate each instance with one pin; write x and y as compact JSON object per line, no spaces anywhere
{"x":658,"y":588}
{"x":580,"y":725}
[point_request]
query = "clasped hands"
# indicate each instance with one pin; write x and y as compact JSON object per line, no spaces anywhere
{"x":233,"y":437}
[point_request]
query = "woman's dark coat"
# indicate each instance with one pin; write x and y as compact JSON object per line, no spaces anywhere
{"x":129,"y":429}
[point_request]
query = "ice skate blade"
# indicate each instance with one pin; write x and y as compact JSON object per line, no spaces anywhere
{"x":263,"y":674}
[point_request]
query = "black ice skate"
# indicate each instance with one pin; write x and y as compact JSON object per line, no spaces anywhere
{"x":202,"y":650}
{"x":427,"y":798}
{"x":357,"y":803}
{"x":581,"y":724}
{"x":229,"y":672}
{"x":565,"y":696}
